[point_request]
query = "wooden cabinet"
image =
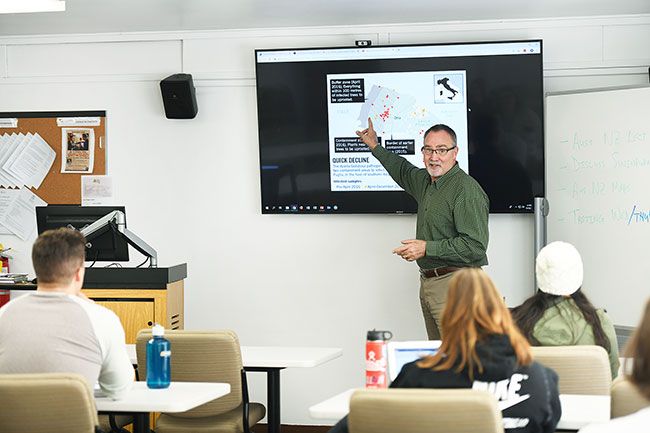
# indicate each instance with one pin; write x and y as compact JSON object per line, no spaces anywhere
{"x":134,"y":314}
{"x":139,"y":297}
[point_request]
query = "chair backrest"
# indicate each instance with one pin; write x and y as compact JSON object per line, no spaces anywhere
{"x":46,"y":402}
{"x":200,"y":356}
{"x":424,"y":411}
{"x":581,"y":369}
{"x":626,"y":398}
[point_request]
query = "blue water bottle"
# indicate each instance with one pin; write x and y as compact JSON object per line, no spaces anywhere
{"x":159,"y":355}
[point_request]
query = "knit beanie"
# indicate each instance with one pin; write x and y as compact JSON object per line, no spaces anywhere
{"x":559,"y":269}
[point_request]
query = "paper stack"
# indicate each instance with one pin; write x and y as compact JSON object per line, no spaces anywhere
{"x":25,"y":159}
{"x":17,"y":212}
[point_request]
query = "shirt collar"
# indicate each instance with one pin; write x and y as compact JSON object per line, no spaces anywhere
{"x":51,"y":294}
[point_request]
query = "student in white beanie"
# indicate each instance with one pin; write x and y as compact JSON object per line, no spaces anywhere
{"x":560,"y":314}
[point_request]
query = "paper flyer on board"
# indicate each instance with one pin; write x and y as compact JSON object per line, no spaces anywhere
{"x":6,"y":197}
{"x":78,"y":148}
{"x":33,"y":162}
{"x":25,"y":159}
{"x":10,"y":145}
{"x":19,"y":216}
{"x":96,"y":191}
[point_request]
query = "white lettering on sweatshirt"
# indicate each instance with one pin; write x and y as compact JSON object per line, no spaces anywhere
{"x":507,"y":393}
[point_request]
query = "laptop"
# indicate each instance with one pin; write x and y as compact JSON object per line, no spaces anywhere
{"x":403,"y":352}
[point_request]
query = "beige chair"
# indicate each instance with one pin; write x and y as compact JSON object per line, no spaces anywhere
{"x":626,"y":398}
{"x":206,"y":356}
{"x":46,"y":402}
{"x":424,"y":411}
{"x":581,"y":369}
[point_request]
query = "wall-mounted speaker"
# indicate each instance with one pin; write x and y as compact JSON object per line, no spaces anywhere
{"x":179,"y":97}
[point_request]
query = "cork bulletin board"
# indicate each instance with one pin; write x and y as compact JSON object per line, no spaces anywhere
{"x":57,"y":187}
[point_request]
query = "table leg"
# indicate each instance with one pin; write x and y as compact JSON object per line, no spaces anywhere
{"x":273,"y":392}
{"x":272,"y":396}
{"x":141,"y":422}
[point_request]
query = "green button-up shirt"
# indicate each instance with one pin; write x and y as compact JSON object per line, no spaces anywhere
{"x":452,"y":212}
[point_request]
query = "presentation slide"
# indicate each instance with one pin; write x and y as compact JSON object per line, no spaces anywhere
{"x":402,"y":106}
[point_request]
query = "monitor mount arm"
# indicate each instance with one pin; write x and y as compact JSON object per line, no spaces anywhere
{"x":116,"y":221}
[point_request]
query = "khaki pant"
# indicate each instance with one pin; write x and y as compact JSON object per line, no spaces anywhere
{"x":433,"y":297}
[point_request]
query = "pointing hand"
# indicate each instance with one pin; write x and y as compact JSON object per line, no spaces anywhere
{"x":368,"y":135}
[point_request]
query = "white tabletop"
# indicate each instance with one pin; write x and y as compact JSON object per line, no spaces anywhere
{"x":580,"y":410}
{"x":333,"y":408}
{"x":179,"y":397}
{"x":275,"y":356}
{"x":281,"y":357}
{"x":577,"y":410}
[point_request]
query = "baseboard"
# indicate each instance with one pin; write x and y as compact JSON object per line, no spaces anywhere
{"x":293,"y":428}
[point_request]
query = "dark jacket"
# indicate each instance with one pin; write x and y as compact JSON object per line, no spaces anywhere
{"x":527,"y":395}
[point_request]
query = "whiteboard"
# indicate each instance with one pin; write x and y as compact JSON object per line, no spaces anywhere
{"x":598,"y":188}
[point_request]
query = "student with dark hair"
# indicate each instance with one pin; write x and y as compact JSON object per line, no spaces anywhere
{"x":57,"y":328}
{"x":483,"y":349}
{"x":638,"y":354}
{"x":560,"y":314}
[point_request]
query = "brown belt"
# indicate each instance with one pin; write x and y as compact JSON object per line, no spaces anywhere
{"x":438,"y":272}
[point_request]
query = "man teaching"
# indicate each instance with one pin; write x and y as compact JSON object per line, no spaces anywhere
{"x":452,"y":218}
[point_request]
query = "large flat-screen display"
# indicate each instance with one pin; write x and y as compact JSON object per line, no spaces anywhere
{"x":310,"y":102}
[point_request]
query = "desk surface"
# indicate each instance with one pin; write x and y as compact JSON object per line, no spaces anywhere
{"x":334,"y":408}
{"x":179,"y":397}
{"x":124,"y":278}
{"x":275,"y":356}
{"x":282,"y":357}
{"x":580,"y":410}
{"x":577,"y":410}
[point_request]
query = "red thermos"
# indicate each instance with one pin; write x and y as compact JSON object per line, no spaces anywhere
{"x":376,"y":376}
{"x":4,"y":260}
{"x":4,"y":269}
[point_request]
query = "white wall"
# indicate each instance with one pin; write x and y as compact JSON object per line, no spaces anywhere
{"x":194,"y":195}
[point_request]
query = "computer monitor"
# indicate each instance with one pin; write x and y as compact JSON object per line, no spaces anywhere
{"x":403,"y":352}
{"x":105,"y":246}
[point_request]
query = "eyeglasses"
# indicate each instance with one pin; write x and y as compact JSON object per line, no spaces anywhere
{"x":442,"y":151}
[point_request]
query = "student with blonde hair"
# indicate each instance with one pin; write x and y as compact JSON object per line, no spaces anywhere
{"x":638,"y":354}
{"x":483,"y":349}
